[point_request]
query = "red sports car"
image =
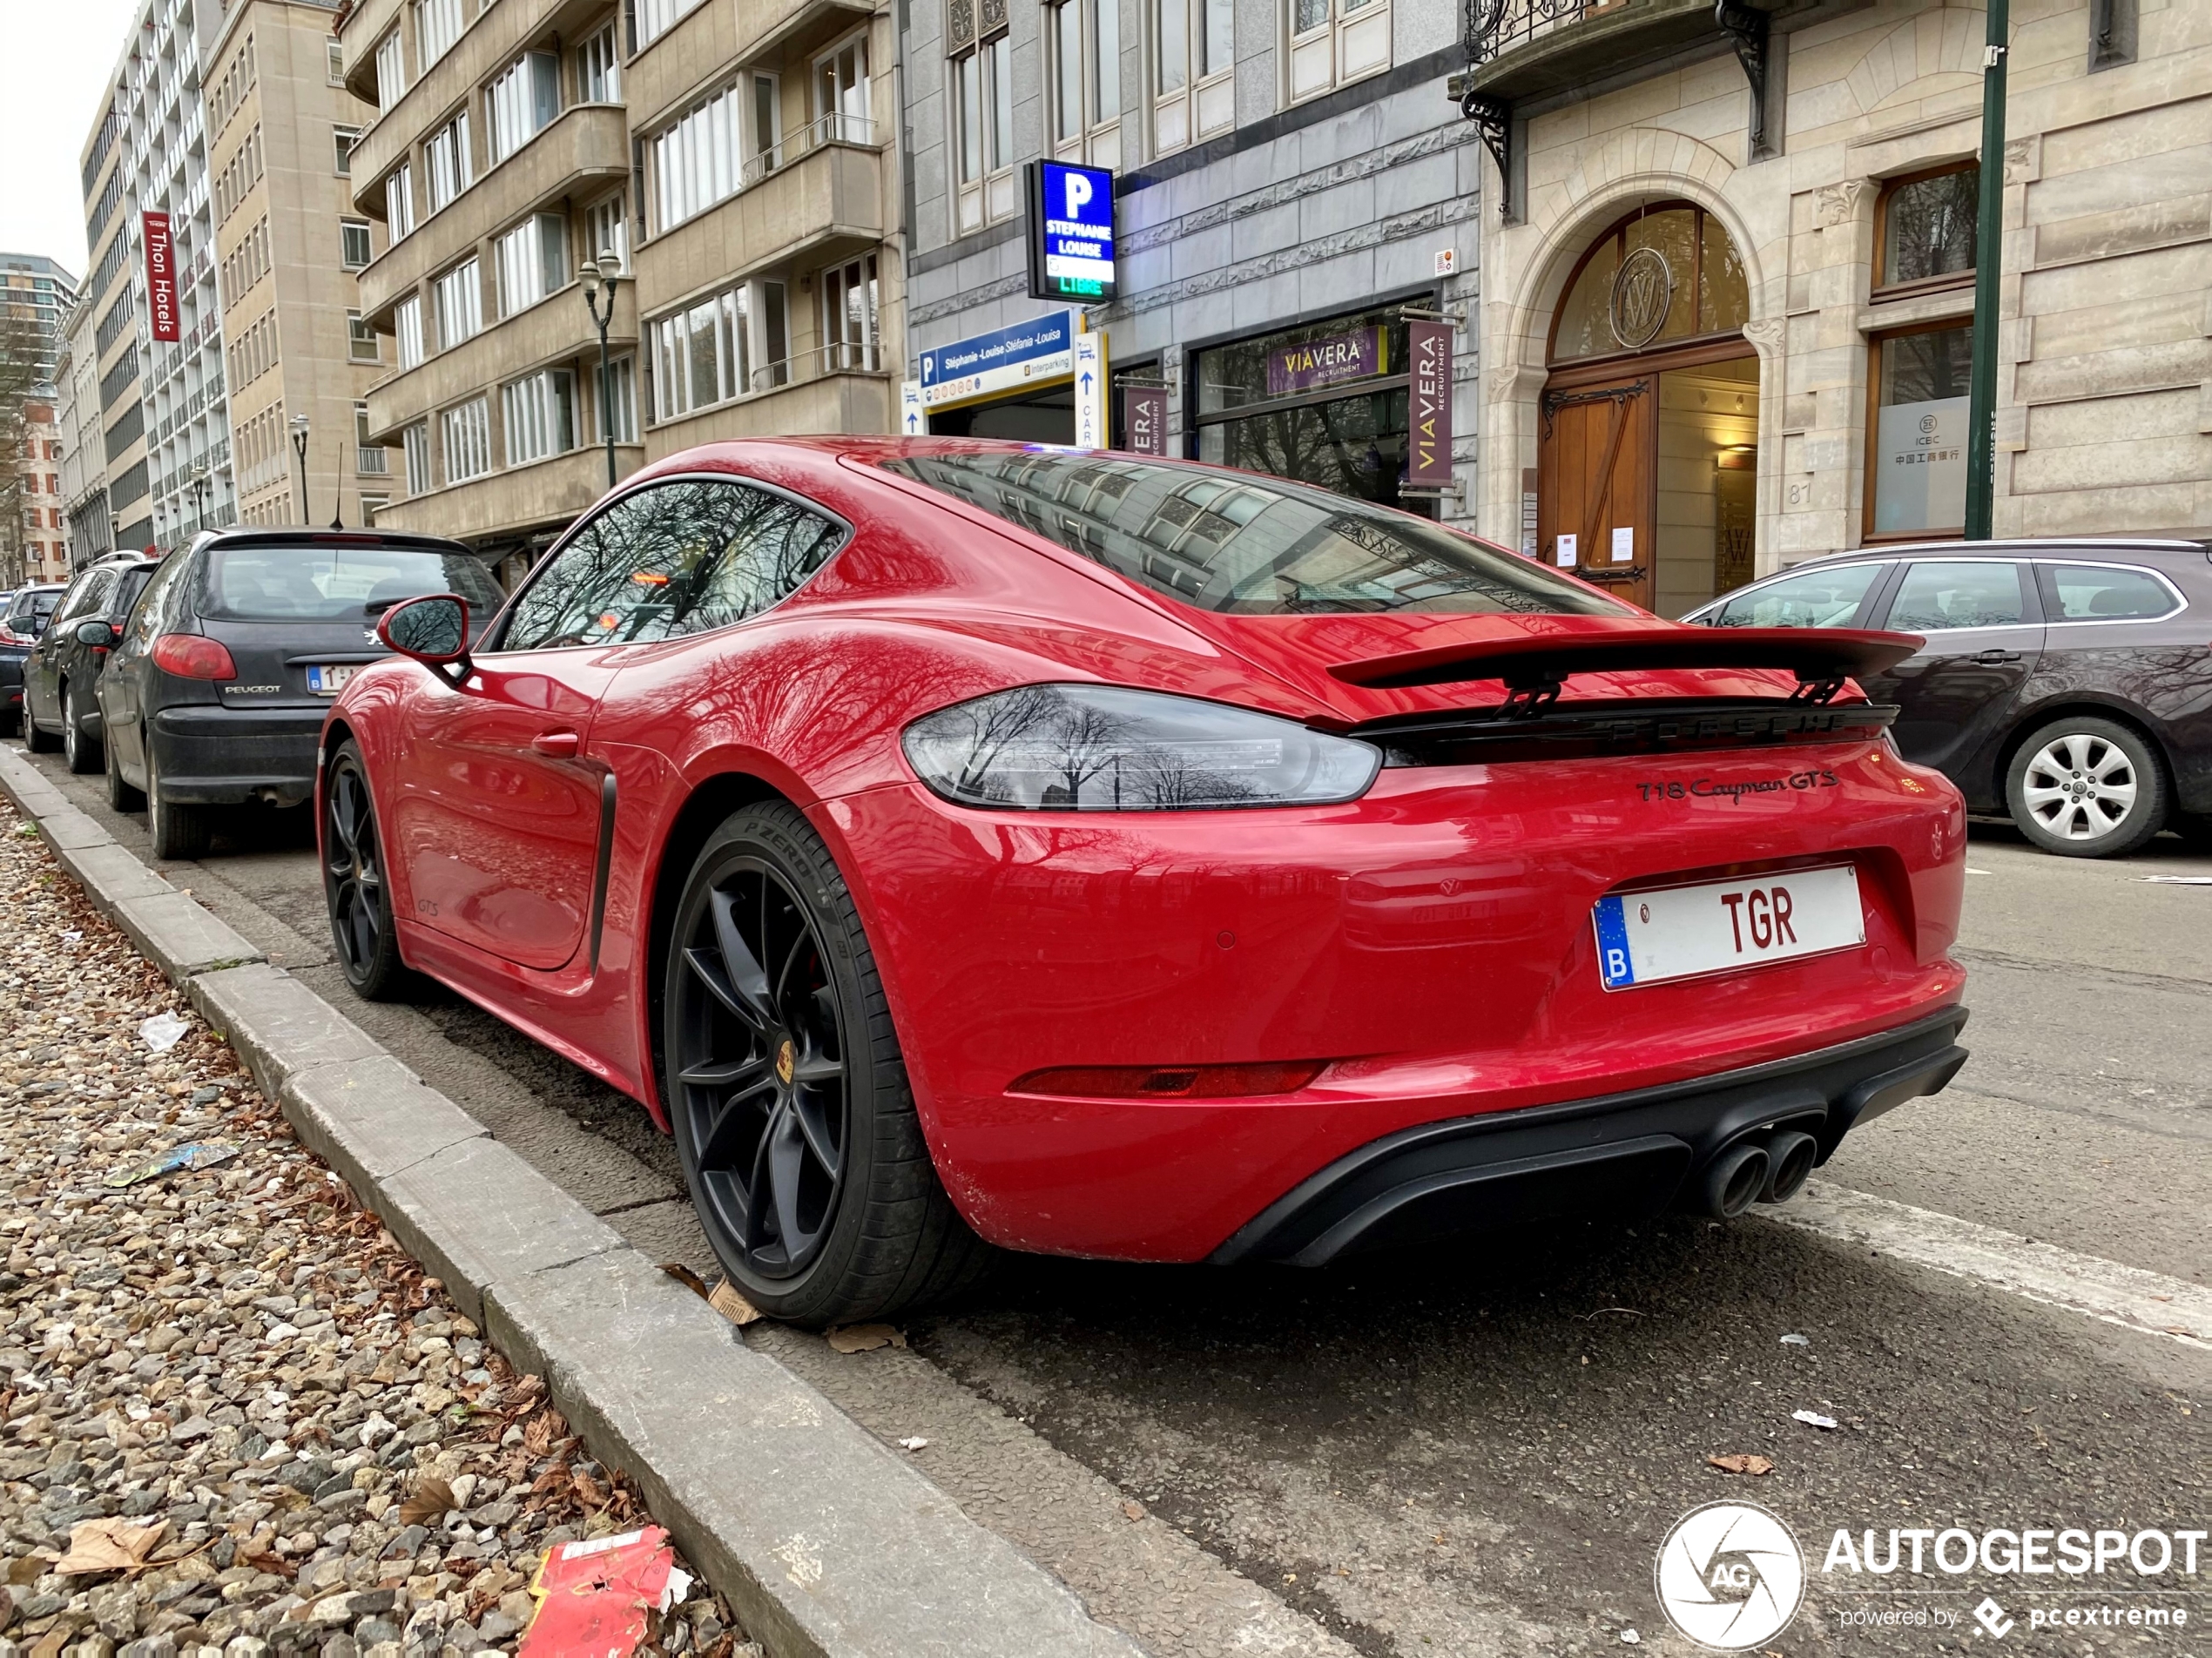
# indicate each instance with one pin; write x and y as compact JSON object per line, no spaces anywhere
{"x":1108,"y":856}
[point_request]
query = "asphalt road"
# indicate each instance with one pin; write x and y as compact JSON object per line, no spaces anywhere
{"x":1480,"y":1454}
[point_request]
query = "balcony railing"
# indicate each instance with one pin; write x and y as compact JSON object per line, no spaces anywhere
{"x":833,"y":128}
{"x":373,"y":459}
{"x":839,"y":357}
{"x":1494,"y":27}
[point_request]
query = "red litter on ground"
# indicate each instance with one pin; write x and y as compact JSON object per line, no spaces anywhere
{"x":593,"y":1598}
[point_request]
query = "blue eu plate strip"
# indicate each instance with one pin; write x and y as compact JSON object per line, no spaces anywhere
{"x":1615,"y":969}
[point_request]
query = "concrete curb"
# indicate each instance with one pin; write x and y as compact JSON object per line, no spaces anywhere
{"x":827,"y":1544}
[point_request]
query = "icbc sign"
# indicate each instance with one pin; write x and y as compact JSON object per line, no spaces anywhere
{"x":161,"y":276}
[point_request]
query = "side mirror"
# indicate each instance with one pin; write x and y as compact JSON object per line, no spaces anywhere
{"x":95,"y":633}
{"x":434,"y":630}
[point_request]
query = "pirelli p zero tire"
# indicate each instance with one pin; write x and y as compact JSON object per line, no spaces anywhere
{"x":793,"y":1117}
{"x":2084,"y":787}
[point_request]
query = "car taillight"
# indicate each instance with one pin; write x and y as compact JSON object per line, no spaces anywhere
{"x":8,"y":636}
{"x":194,"y":656}
{"x":1170,"y":1082}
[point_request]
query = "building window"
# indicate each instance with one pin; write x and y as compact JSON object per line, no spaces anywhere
{"x":353,"y":246}
{"x":457,"y":300}
{"x":532,"y":261}
{"x":982,"y":85}
{"x":700,"y":158}
{"x":342,"y":145}
{"x":371,"y":505}
{"x":450,"y":166}
{"x":334,"y":56}
{"x":618,"y":399}
{"x":736,"y":342}
{"x":415,"y":441}
{"x":437,"y":25}
{"x":1926,"y":226}
{"x":522,"y":102}
{"x":372,"y":460}
{"x":606,"y":230}
{"x":1697,"y":277}
{"x":850,"y":339}
{"x":540,"y":415}
{"x":656,"y":18}
{"x":1086,"y":79}
{"x":391,"y":70}
{"x":465,"y":436}
{"x":842,"y":93}
{"x":1194,"y":63}
{"x":598,"y":69}
{"x":361,"y":339}
{"x":1916,"y":463}
{"x":1336,"y":41}
{"x":399,"y":201}
{"x":407,"y":326}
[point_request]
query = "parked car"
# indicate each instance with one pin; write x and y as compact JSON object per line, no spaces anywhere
{"x":1130,"y":858}
{"x":60,"y":711}
{"x":25,"y":618}
{"x":2065,"y":684}
{"x":216,"y":691}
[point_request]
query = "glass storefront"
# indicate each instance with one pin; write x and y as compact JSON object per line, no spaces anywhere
{"x":1324,"y":403}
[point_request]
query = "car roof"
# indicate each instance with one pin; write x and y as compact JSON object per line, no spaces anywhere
{"x":2075,"y":546}
{"x":309,"y":535}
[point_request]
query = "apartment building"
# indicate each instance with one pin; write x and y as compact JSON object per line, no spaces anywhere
{"x":35,"y":297}
{"x":730,"y":166}
{"x":280,"y":130}
{"x":88,"y":528}
{"x":157,"y":335}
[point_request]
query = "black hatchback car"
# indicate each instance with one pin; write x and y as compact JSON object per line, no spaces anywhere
{"x":2065,"y":684}
{"x":59,"y":710}
{"x":215,"y":694}
{"x":28,"y":611}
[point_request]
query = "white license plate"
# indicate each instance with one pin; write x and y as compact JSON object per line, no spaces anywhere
{"x":329,"y":681}
{"x":1719,"y":926}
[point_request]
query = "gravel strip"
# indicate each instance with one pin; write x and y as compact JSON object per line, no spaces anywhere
{"x":338,"y":1462}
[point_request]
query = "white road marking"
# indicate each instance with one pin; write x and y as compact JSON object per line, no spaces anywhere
{"x":2127,"y":1296}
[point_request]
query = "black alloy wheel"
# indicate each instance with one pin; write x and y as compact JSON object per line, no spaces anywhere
{"x":354,"y":890}
{"x":793,"y":1118}
{"x":79,"y":747}
{"x":120,"y":795}
{"x":179,"y":830}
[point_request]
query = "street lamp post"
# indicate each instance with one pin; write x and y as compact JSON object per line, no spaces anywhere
{"x":606,"y":271}
{"x":1981,"y":403}
{"x":200,"y":488}
{"x":300,"y":447}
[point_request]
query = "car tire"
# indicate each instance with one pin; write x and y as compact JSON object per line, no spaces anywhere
{"x":79,"y":747}
{"x":794,"y":1119}
{"x":355,"y":888}
{"x":37,"y":741}
{"x":2085,"y":787}
{"x":120,"y":795}
{"x":179,"y":830}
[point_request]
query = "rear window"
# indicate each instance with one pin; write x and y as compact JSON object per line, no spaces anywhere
{"x":1250,"y":546}
{"x":39,"y":605}
{"x":249,"y":583}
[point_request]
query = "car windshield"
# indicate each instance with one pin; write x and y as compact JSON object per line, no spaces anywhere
{"x":1246,"y":544}
{"x":255,"y":582}
{"x":33,"y":610}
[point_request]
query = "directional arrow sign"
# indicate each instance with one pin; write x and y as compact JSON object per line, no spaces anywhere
{"x":912,"y":422}
{"x":1090,"y":391}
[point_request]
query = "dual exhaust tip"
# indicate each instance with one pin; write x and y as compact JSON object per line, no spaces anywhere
{"x":1770,"y":1170}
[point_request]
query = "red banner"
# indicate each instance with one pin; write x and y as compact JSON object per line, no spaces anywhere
{"x":1428,"y":445}
{"x":1144,"y":420}
{"x":161,"y":276}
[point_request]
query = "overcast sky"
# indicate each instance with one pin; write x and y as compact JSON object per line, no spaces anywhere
{"x":55,"y":56}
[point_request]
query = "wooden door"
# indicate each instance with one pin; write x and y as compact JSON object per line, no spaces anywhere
{"x":1597,"y":471}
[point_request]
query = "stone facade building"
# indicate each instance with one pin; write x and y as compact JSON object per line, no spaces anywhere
{"x":1709,"y":350}
{"x":732,"y":162}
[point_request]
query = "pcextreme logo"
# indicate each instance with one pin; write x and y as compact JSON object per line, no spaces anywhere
{"x":1730,"y":1576}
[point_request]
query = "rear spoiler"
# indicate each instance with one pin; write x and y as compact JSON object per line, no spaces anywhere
{"x":1534,"y":667}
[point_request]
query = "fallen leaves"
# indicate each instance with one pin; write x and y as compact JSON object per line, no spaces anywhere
{"x":110,"y":1546}
{"x":428,"y":1503}
{"x":1133,"y":1509}
{"x":860,"y":1338}
{"x":1741,"y":1462}
{"x":685,"y":1277}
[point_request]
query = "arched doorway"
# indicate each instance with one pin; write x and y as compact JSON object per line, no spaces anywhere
{"x":1647,"y":454}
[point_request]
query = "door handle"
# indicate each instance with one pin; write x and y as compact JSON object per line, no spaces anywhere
{"x":1991,"y":658}
{"x":560,"y":745}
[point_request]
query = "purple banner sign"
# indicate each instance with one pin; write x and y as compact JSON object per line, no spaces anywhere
{"x":1357,"y":355}
{"x":1144,"y":420}
{"x":1429,"y":445}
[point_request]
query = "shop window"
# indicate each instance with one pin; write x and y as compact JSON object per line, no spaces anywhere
{"x":1662,"y":276}
{"x":979,"y":73}
{"x":1916,"y":463}
{"x":1336,"y":41}
{"x":1326,"y":403}
{"x":1194,"y":63}
{"x":1084,"y":39}
{"x":1925,"y":229}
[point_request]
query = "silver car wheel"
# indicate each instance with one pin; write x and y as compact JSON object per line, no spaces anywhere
{"x":2081,"y":786}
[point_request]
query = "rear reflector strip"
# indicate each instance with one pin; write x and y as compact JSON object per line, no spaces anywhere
{"x":1170,"y":1081}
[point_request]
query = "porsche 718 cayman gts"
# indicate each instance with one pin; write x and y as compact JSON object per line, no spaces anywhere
{"x":957,"y":842}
